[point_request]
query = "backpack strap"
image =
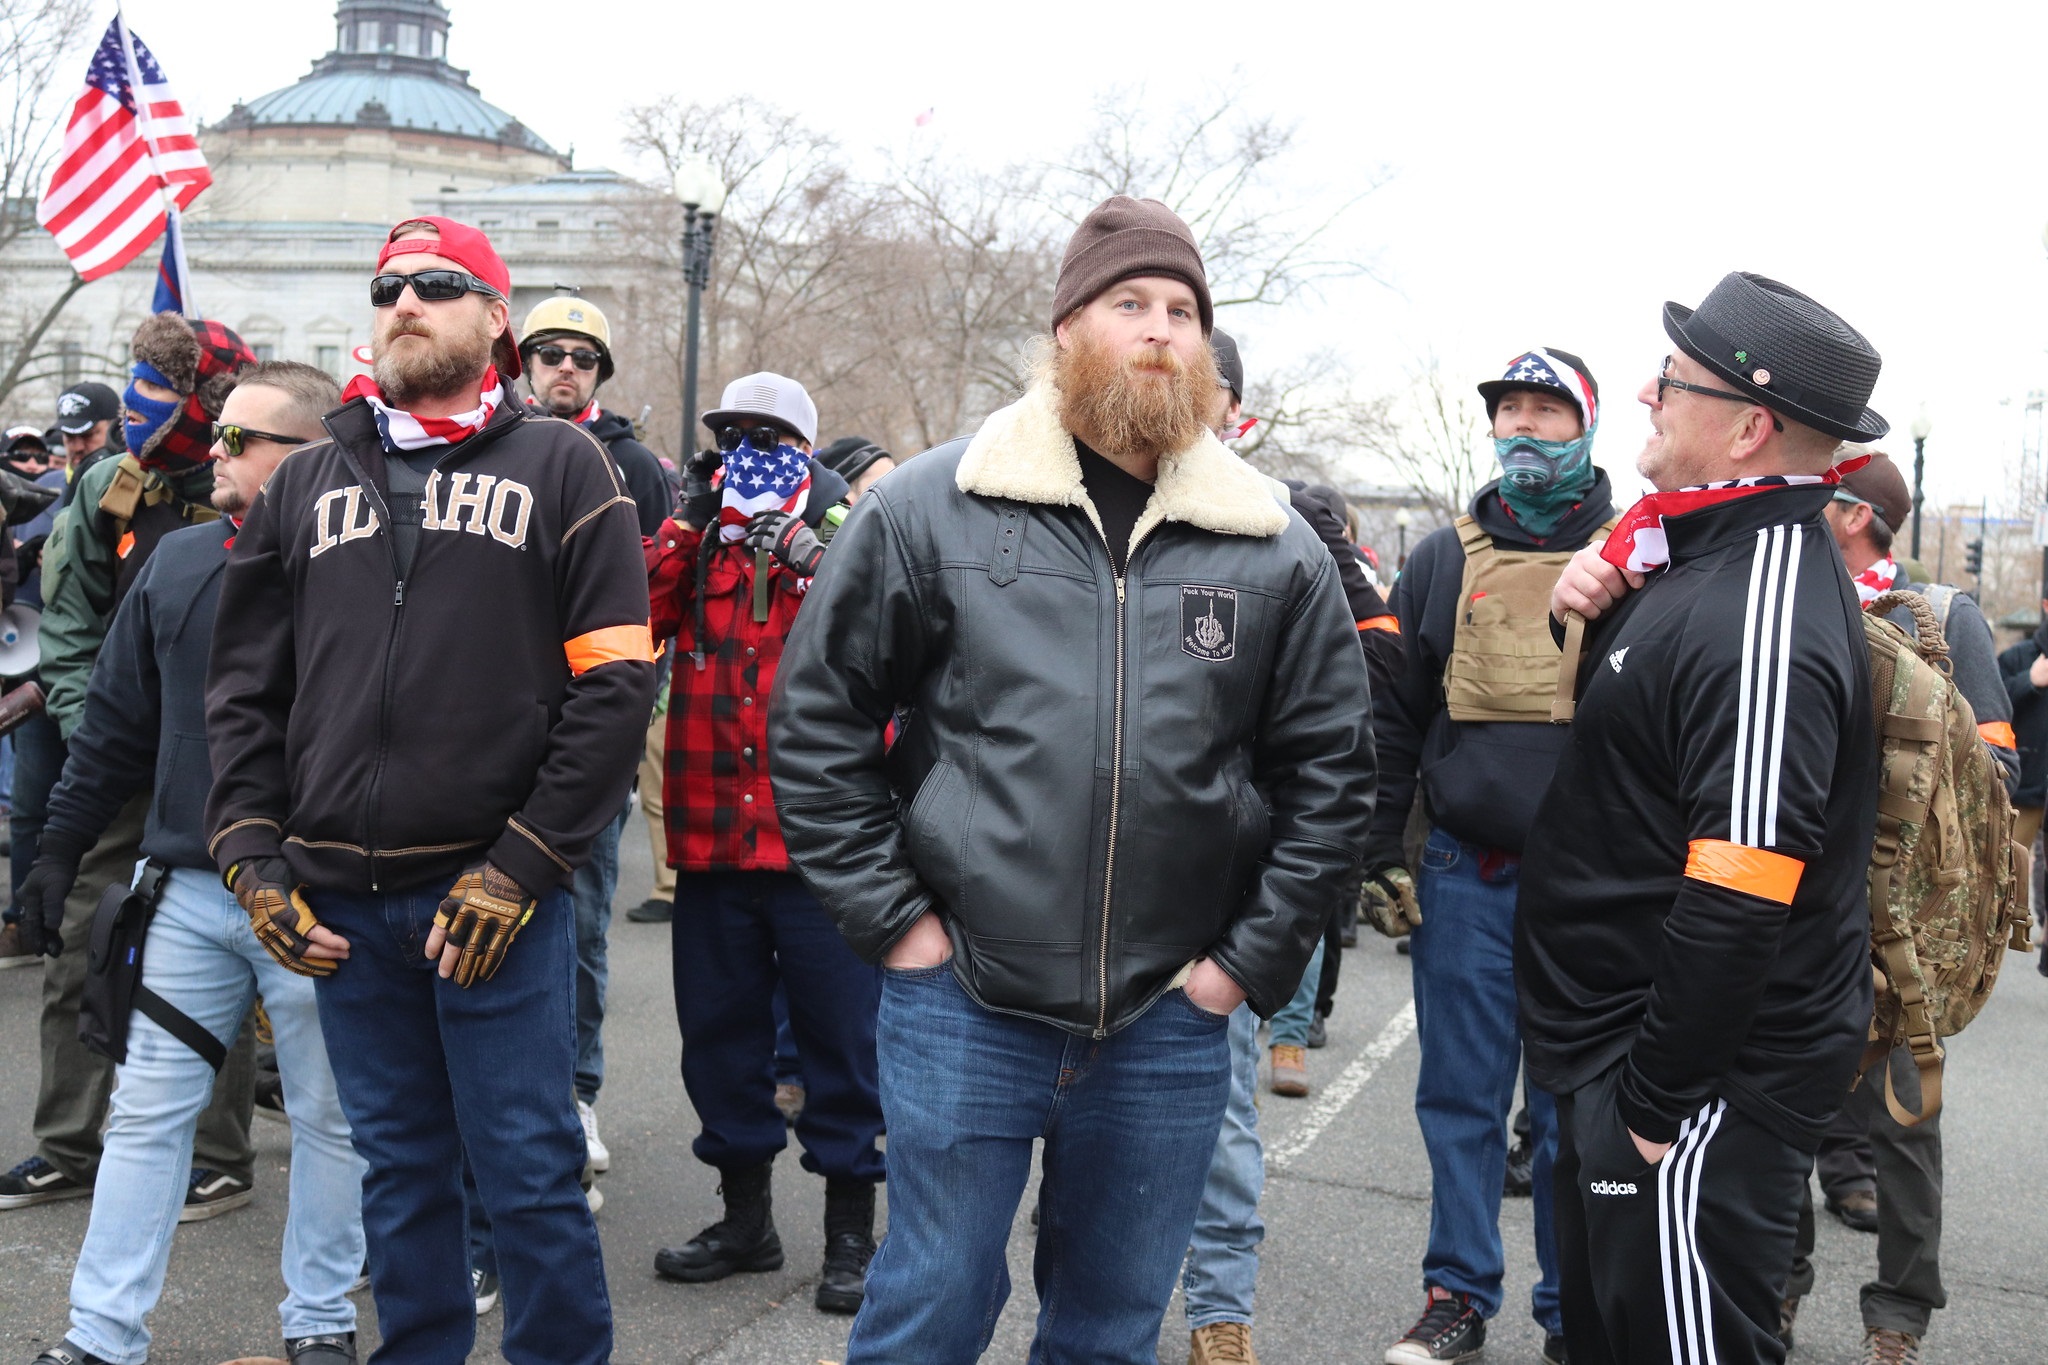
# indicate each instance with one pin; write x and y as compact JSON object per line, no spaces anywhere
{"x":181,"y":1026}
{"x":1472,"y":536}
{"x":1940,"y":597}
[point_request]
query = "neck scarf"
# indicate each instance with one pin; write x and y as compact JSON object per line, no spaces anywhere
{"x":1877,"y":580}
{"x":1542,"y":481}
{"x":754,"y":481}
{"x":403,"y":430}
{"x":581,"y":419}
{"x":1638,"y":542}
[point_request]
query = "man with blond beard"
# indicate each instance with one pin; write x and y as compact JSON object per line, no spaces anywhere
{"x":1119,"y":804}
{"x":434,"y":709}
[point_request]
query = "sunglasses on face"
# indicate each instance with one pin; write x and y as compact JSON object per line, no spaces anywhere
{"x":555,"y":355}
{"x":232,"y":439}
{"x":428,"y":286}
{"x":760,"y":438}
{"x":1665,"y":381}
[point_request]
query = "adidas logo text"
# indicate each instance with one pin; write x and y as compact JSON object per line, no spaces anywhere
{"x":1614,"y":659}
{"x":1612,"y":1187}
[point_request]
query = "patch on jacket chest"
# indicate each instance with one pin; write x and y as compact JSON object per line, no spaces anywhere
{"x":1208,"y":622}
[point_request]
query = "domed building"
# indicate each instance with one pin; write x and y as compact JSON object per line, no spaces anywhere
{"x":307,"y":181}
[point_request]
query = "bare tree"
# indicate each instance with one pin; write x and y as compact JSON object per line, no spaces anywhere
{"x":1433,"y":440}
{"x":38,"y":38}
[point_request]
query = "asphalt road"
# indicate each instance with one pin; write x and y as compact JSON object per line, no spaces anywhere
{"x":1346,"y":1205}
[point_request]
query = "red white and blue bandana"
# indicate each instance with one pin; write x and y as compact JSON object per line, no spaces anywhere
{"x":1541,"y":369}
{"x":1638,"y":543}
{"x":752,"y":482}
{"x":403,"y":430}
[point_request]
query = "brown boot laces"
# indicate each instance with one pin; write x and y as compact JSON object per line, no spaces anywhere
{"x":1227,"y":1343}
{"x":1882,"y":1346}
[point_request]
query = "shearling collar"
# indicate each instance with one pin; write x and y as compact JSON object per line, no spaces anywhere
{"x":1024,"y":454}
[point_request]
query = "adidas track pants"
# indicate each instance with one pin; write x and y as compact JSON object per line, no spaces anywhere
{"x":1680,"y":1263}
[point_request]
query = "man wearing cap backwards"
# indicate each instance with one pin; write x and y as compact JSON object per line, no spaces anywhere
{"x":1692,"y":939}
{"x":435,"y":708}
{"x":728,"y":577}
{"x":1133,"y":773}
{"x":565,"y":349}
{"x":1877,"y":1174}
{"x":119,"y":509}
{"x":1466,"y":730}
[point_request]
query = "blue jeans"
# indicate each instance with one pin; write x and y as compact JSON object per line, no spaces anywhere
{"x":202,"y":958}
{"x":1468,"y":1023}
{"x":427,"y":1071}
{"x":736,"y":935}
{"x":596,"y":882}
{"x":1291,"y":1020}
{"x":1223,"y":1258}
{"x":1129,"y":1124}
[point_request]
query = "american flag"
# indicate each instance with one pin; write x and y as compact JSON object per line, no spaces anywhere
{"x":756,"y":482}
{"x":105,"y":203}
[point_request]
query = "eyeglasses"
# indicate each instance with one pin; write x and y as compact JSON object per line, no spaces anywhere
{"x":232,"y":438}
{"x":554,"y":355}
{"x":1665,"y":381}
{"x":428,"y":286}
{"x":763,"y":438}
{"x":1843,"y":495}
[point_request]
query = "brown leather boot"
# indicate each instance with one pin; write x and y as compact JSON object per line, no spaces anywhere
{"x":1290,"y":1071}
{"x":1222,"y":1343}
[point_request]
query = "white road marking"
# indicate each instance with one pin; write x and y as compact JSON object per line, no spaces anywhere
{"x":1344,"y":1089}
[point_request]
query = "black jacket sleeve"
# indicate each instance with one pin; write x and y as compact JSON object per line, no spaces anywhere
{"x":859,"y":644}
{"x":1314,"y":765}
{"x":1755,"y":758}
{"x":654,"y":497}
{"x":593,"y":747}
{"x":251,"y":682}
{"x":112,"y":754}
{"x":1404,"y":710}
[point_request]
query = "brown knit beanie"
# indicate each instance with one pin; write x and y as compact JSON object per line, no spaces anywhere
{"x":1124,"y":237}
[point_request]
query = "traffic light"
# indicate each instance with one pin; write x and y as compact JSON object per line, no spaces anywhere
{"x":1973,"y":562}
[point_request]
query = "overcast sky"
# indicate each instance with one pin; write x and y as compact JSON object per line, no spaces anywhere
{"x":1559,"y":171}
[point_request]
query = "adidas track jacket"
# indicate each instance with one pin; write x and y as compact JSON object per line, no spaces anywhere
{"x":1693,"y":894}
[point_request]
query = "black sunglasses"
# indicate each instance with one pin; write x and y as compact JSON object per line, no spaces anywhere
{"x":762,"y":438}
{"x":232,"y":438}
{"x":1665,"y":381}
{"x":554,"y":355}
{"x":428,"y":286}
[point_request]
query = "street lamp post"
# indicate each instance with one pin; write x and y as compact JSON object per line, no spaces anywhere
{"x":1923,"y":427}
{"x":1401,"y":520}
{"x":702,"y":195}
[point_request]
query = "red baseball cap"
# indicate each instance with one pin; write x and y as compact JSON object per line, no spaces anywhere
{"x":469,"y":248}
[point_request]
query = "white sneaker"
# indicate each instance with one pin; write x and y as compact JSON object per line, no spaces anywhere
{"x":600,"y":1155}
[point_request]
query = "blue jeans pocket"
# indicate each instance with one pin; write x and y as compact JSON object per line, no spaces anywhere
{"x":1179,"y":993}
{"x":1441,"y":853}
{"x":914,"y":974}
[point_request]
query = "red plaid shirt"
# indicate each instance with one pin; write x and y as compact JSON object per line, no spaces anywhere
{"x":720,"y":810}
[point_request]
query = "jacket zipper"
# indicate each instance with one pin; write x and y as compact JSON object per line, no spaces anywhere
{"x":1116,"y":790}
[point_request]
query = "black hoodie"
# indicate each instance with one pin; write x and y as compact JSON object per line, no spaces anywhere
{"x":1480,"y":781}
{"x":384,"y":733}
{"x":654,"y":496}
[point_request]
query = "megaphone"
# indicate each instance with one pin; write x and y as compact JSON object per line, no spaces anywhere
{"x":20,"y":648}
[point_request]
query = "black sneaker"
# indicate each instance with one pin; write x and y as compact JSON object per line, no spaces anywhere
{"x":1450,"y":1329}
{"x":328,"y":1348}
{"x":1554,"y":1352}
{"x":64,"y":1353}
{"x":1401,"y":945}
{"x":485,"y":1285}
{"x":36,"y":1181}
{"x":653,"y":910}
{"x":1521,"y":1177}
{"x":1318,"y":1032}
{"x":212,"y":1194}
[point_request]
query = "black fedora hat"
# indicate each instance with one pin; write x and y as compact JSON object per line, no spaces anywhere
{"x":1785,"y":351}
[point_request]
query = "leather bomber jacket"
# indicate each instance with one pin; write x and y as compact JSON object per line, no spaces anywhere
{"x":1096,"y":780}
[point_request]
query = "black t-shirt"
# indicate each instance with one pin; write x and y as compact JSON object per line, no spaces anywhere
{"x":1119,"y":500}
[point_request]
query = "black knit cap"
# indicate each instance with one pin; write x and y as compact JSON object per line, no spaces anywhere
{"x":1785,"y":351}
{"x":1229,"y":364}
{"x":850,"y":456}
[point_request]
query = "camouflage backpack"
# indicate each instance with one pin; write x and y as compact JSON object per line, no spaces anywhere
{"x":1948,"y":884}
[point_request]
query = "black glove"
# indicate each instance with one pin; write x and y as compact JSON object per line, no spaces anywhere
{"x":484,"y":912}
{"x":784,"y":535}
{"x":700,"y":499}
{"x":28,"y":556}
{"x":278,"y":913}
{"x":43,"y":893}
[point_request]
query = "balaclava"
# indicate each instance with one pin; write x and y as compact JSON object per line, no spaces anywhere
{"x":1541,"y":481}
{"x":198,"y":361}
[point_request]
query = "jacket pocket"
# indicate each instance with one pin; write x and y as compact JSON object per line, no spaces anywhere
{"x":933,"y":827}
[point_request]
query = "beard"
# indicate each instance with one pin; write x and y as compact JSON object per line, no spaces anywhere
{"x":1147,"y":404}
{"x":444,"y":366}
{"x":228,"y":501}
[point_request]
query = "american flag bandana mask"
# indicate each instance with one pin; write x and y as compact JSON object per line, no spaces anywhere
{"x":401,"y":430}
{"x":755,"y":481}
{"x":1638,"y":542}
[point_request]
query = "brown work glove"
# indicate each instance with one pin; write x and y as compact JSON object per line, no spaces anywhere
{"x":484,"y":912}
{"x":1387,"y":902}
{"x":278,"y":913}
